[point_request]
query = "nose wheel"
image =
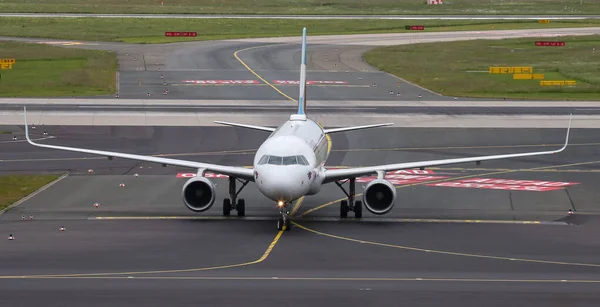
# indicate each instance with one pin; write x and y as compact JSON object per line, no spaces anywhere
{"x":284,"y":219}
{"x":233,"y":203}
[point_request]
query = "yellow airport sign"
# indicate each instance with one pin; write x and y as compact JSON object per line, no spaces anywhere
{"x":7,"y":63}
{"x":528,"y":76}
{"x":544,"y":21}
{"x":558,"y":83}
{"x":511,"y":70}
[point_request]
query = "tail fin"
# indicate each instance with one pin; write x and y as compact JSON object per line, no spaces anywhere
{"x":302,"y":97}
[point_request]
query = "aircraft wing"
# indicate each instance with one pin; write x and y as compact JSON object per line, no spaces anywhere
{"x":239,"y":172}
{"x":341,"y":174}
{"x":344,"y":129}
{"x":261,"y":128}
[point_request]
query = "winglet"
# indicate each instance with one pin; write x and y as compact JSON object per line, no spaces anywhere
{"x":26,"y":126}
{"x":568,"y":132}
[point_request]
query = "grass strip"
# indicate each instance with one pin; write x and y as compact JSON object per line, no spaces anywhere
{"x":462,"y":68}
{"x":312,"y":7}
{"x":15,"y":187}
{"x":43,"y":71}
{"x":140,"y":30}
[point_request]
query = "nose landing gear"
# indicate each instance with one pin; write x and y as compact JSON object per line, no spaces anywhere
{"x":284,"y":219}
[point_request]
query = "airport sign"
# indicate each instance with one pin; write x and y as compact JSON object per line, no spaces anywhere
{"x":542,"y":43}
{"x":511,"y":70}
{"x":7,"y":63}
{"x":414,"y":27}
{"x":181,"y":34}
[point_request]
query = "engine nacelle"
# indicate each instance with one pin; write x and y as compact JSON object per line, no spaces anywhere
{"x":198,"y":194}
{"x":379,"y":196}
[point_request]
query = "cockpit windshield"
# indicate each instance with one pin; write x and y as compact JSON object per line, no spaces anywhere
{"x":289,"y":160}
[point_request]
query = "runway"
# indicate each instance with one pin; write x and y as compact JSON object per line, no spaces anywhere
{"x":497,"y":233}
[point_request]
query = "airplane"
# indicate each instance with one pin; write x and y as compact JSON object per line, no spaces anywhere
{"x":290,"y":164}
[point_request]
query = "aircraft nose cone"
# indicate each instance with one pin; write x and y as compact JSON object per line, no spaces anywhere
{"x":280,"y":183}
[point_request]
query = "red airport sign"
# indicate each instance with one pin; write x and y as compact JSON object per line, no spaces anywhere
{"x":541,"y":43}
{"x":185,"y":34}
{"x":415,"y":27}
{"x":309,"y":82}
{"x":221,"y":81}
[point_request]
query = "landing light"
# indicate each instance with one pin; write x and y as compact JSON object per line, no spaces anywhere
{"x":280,"y":203}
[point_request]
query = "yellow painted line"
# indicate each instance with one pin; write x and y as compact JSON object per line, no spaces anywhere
{"x":235,"y":54}
{"x":433,"y":251}
{"x":317,"y":219}
{"x":380,"y":279}
{"x":564,"y":165}
{"x":259,"y":260}
{"x":458,"y":221}
{"x":297,"y":206}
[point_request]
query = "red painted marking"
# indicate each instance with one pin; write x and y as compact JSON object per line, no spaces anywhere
{"x":207,"y":175}
{"x":295,"y":82}
{"x":188,"y":34}
{"x":405,"y":171}
{"x":220,"y":81}
{"x":543,"y":43}
{"x":517,"y":182}
{"x":398,"y":179}
{"x":456,"y":184}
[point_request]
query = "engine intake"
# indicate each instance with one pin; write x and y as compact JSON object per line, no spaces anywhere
{"x":379,"y":196}
{"x":198,"y":194}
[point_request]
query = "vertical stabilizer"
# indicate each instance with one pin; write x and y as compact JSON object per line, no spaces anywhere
{"x":302,"y":97}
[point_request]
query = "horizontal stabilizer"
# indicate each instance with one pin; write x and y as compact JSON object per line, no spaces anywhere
{"x":355,"y":128}
{"x":247,"y":126}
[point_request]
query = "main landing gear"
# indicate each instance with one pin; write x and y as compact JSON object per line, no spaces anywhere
{"x":350,"y":204}
{"x":233,"y":203}
{"x":284,"y":219}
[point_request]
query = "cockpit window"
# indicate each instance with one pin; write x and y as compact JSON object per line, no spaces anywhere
{"x":290,"y":160}
{"x":302,"y":160}
{"x":275,"y":160}
{"x":263,"y":159}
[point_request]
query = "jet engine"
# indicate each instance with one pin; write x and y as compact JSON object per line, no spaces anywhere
{"x":198,"y":194}
{"x":379,"y":196}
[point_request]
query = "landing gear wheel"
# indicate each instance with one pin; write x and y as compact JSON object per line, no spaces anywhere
{"x":241,"y":207}
{"x":344,"y":208}
{"x":358,"y":209}
{"x":288,"y":225}
{"x":226,"y":206}
{"x":280,"y":223}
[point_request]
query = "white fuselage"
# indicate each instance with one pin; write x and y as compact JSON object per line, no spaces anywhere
{"x":289,"y":164}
